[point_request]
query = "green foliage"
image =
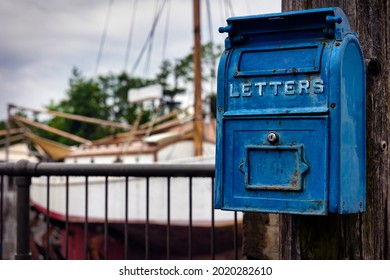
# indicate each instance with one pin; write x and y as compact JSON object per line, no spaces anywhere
{"x":3,"y":128}
{"x":176,"y":72}
{"x":106,"y":97}
{"x":117,"y":87}
{"x":102,"y":98}
{"x":3,"y":125}
{"x":177,"y":75}
{"x":210,"y":54}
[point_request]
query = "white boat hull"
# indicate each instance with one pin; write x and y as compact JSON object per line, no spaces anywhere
{"x":137,"y":200}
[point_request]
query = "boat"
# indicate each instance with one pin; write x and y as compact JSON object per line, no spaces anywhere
{"x":174,"y":145}
{"x":171,"y":141}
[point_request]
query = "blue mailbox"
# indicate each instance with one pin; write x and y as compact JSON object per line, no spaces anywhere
{"x":291,"y":115}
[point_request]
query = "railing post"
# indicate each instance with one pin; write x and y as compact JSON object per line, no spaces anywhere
{"x":23,"y":212}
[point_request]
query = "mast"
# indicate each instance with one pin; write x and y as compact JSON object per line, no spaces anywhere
{"x":198,"y":120}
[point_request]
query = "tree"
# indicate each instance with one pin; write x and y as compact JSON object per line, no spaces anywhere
{"x":3,"y":127}
{"x":117,"y":87}
{"x":84,"y":97}
{"x":104,"y":98}
{"x":169,"y":92}
{"x":177,"y":76}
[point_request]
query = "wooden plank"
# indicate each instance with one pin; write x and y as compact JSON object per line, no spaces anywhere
{"x":12,"y":139}
{"x":11,"y":131}
{"x":387,"y":92}
{"x":375,"y":47}
{"x":77,"y":117}
{"x":52,"y":130}
{"x":357,"y":236}
{"x":163,"y":117}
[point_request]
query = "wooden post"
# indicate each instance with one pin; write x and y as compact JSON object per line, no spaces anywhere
{"x":198,"y":121}
{"x":355,"y":236}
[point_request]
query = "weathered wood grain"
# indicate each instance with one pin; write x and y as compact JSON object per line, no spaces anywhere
{"x":357,"y":236}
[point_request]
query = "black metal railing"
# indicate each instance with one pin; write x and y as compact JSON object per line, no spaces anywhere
{"x":136,"y":239}
{"x":1,"y":215}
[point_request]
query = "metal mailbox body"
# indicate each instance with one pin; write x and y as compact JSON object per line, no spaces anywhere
{"x":291,"y":115}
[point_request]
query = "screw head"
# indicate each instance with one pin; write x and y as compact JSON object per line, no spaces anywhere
{"x":273,"y":138}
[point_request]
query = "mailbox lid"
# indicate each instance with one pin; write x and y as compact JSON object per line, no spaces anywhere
{"x":331,"y":23}
{"x":288,"y":77}
{"x":288,"y":177}
{"x":279,"y":63}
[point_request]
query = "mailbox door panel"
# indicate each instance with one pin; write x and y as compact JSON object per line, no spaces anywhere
{"x":288,"y":175}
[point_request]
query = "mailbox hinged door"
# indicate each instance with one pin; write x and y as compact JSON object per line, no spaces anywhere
{"x":275,"y":177}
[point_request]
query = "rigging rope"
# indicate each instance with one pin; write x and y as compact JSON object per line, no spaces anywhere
{"x":209,"y":20}
{"x":149,"y":53}
{"x":148,"y":39}
{"x":130,"y":35}
{"x":229,"y":6}
{"x":103,"y":38}
{"x":210,"y":25}
{"x":221,"y":16}
{"x":164,"y":49}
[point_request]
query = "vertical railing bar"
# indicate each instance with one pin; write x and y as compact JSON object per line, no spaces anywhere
{"x":106,"y":218}
{"x":235,"y":236}
{"x":1,"y":215}
{"x":147,"y":221}
{"x":67,"y":217}
{"x":212,"y":220}
{"x":190,"y":221}
{"x":23,"y":250}
{"x":168,"y":218}
{"x":47,"y":253}
{"x":126,"y":217}
{"x":86,"y":220}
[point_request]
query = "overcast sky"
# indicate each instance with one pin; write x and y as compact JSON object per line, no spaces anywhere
{"x":42,"y":40}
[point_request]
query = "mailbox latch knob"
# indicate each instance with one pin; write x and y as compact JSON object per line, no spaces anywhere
{"x":273,"y":138}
